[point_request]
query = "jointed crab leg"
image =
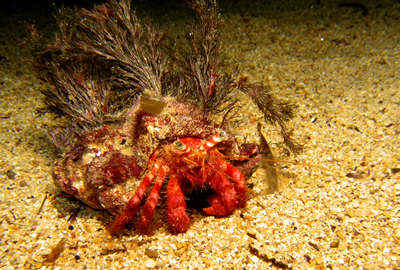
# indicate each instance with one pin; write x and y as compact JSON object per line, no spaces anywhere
{"x":133,"y":205}
{"x":152,"y":199}
{"x":225,"y":199}
{"x":177,"y":216}
{"x":234,"y":175}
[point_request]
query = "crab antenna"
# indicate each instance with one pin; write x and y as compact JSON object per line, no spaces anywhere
{"x":216,"y":139}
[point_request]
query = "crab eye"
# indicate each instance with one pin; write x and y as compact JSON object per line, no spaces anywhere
{"x":222,"y":135}
{"x":179,"y":145}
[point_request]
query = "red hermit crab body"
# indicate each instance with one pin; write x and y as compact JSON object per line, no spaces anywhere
{"x":139,"y":113}
{"x":195,"y":161}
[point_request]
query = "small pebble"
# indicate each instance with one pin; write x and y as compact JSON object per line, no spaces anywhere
{"x":254,"y":259}
{"x":247,"y":216}
{"x":370,"y":123}
{"x":340,"y":234}
{"x":289,"y":196}
{"x":152,"y":253}
{"x":161,"y":264}
{"x":252,"y":233}
{"x":11,"y":174}
{"x":307,"y":179}
{"x":195,"y":264}
{"x":179,"y":252}
{"x":150,"y":264}
{"x":23,"y":183}
{"x":318,"y":259}
{"x":335,"y":244}
{"x":397,"y":233}
{"x":350,"y":213}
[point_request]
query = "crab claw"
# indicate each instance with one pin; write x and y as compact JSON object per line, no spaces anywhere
{"x":225,"y":200}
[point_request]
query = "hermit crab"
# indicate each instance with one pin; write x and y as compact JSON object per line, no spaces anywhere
{"x":139,"y":110}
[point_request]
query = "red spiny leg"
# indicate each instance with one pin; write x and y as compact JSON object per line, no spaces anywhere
{"x":152,"y":199}
{"x":133,"y":205}
{"x":153,"y":159}
{"x":225,"y":199}
{"x":234,"y":175}
{"x":177,"y":216}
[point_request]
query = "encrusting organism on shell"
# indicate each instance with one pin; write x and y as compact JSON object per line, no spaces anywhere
{"x":139,"y":113}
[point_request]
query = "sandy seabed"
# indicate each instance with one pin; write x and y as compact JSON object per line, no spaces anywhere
{"x":340,"y":64}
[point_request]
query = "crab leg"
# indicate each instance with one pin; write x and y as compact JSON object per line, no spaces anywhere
{"x":238,"y":182}
{"x":235,"y":176}
{"x":225,"y":200}
{"x":152,"y":199}
{"x":133,"y":205}
{"x":177,"y":216}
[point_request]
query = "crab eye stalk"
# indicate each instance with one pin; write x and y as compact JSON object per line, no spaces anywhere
{"x":179,"y":145}
{"x":216,"y":139}
{"x":222,"y":135}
